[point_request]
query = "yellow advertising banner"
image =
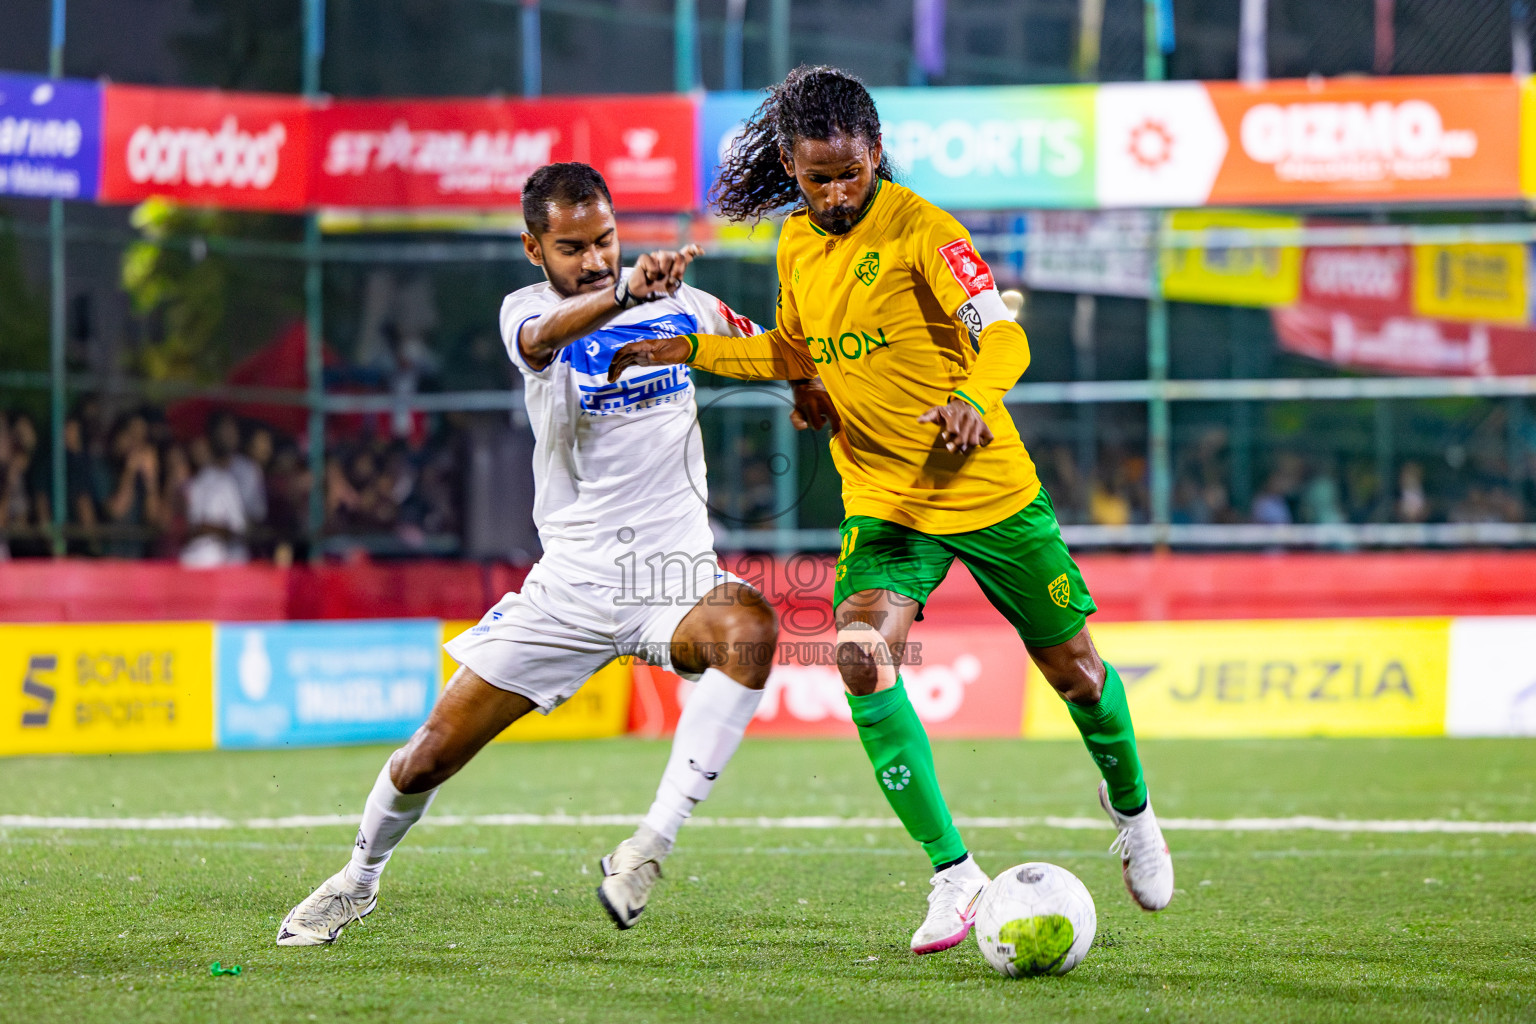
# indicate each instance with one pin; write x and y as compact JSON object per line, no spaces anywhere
{"x":1232,"y":275}
{"x":1471,"y":282}
{"x":1528,"y":137}
{"x":1305,"y":677}
{"x":600,"y":708}
{"x":106,"y":688}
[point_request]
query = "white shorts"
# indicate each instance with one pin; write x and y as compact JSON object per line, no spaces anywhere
{"x":548,"y":639}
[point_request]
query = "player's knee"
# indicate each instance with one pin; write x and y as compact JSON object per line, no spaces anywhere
{"x":864,"y":660}
{"x":1080,"y":683}
{"x":750,"y":629}
{"x":422,"y":764}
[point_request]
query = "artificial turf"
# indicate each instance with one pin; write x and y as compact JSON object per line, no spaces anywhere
{"x":499,"y":923}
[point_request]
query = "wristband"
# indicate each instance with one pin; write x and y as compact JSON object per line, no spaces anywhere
{"x":627,"y":299}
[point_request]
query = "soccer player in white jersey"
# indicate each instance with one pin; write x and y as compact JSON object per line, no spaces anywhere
{"x":628,"y":565}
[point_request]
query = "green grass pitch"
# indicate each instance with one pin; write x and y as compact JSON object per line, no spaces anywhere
{"x":496,"y":923}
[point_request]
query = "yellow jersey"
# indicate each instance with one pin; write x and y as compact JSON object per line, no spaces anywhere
{"x":897,"y":316}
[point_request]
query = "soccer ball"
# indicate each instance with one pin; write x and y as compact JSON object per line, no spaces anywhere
{"x":1035,"y":919}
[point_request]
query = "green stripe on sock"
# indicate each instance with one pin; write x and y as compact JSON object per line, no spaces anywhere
{"x":897,"y":746}
{"x":1111,"y":741}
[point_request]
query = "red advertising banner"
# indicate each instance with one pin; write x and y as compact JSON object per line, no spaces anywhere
{"x":968,"y":681}
{"x":1371,"y":279}
{"x":1388,"y":139}
{"x":478,"y":153}
{"x":1361,"y":338}
{"x":240,"y":150}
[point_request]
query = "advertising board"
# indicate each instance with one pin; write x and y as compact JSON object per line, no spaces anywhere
{"x":1232,"y":275}
{"x":962,"y":681}
{"x":208,"y":148}
{"x":478,"y":153}
{"x":50,"y":137}
{"x":1319,"y":677}
{"x":1492,"y":689}
{"x":286,"y":684}
{"x":97,"y":688}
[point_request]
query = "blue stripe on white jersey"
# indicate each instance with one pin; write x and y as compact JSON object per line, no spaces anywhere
{"x":591,"y":356}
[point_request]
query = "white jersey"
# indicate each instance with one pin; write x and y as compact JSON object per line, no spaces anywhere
{"x":618,"y":468}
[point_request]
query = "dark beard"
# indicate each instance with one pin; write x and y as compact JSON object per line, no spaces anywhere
{"x":840,"y":220}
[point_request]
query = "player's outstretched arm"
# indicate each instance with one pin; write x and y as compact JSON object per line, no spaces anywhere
{"x":655,"y":275}
{"x":766,"y":356}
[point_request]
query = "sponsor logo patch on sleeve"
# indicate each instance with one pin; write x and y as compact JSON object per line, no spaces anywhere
{"x":740,"y":322}
{"x":970,"y":270}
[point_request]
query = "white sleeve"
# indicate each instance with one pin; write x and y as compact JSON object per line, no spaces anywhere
{"x":714,"y":316}
{"x":517,"y":309}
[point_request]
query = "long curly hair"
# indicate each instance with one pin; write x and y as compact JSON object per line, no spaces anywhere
{"x":812,"y":103}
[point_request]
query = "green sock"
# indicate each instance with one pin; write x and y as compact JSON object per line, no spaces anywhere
{"x":1111,"y":740}
{"x":897,"y":745}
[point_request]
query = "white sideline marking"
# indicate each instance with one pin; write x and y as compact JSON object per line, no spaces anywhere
{"x":1298,"y":823}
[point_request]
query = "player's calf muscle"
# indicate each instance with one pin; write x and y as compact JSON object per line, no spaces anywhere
{"x":1073,"y":669}
{"x":470,"y":713}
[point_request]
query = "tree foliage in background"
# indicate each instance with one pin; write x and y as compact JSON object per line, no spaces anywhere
{"x":205,"y":308}
{"x":244,"y":44}
{"x":23,"y":325}
{"x":23,"y":309}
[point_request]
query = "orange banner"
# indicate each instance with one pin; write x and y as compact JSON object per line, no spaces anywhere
{"x":1382,"y":140}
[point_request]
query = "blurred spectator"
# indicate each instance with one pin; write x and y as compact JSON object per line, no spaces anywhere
{"x":1412,"y":502}
{"x":216,"y":521}
{"x":287,"y":486}
{"x":1320,"y":498}
{"x":225,"y":433}
{"x":1111,"y":499}
{"x":177,"y":475}
{"x":1272,"y":505}
{"x":134,"y":490}
{"x":134,"y":501}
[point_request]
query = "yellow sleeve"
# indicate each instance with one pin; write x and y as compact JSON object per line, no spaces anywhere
{"x":766,"y":356}
{"x":1003,"y":359}
{"x":963,"y":284}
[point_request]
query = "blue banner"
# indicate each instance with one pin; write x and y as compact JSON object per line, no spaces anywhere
{"x":322,"y":683}
{"x":50,"y":137}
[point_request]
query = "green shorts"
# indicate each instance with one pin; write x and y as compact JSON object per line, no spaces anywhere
{"x":1021,"y":563}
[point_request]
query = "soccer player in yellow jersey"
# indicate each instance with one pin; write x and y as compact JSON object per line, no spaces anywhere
{"x":884,"y":298}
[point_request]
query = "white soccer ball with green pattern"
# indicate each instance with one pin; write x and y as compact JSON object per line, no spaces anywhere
{"x":1035,"y":919}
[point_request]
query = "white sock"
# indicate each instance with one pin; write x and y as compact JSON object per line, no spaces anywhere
{"x":708,"y":733}
{"x":387,"y":817}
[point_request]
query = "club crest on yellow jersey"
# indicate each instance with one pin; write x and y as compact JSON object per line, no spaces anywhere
{"x":1061,"y":590}
{"x":868,"y":267}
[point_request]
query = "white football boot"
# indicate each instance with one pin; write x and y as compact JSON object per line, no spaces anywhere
{"x":629,"y":872}
{"x":325,"y":912}
{"x":951,"y":907}
{"x":1144,"y":858}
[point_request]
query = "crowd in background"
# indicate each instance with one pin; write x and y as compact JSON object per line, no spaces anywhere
{"x":1315,"y":487}
{"x":231,"y":491}
{"x":239,"y":489}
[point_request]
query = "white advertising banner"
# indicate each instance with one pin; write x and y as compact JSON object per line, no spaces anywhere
{"x":1492,"y":685}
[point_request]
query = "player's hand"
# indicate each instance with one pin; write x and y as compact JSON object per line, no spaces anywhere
{"x":653,"y":352}
{"x":961,"y":427}
{"x":813,"y":406}
{"x":660,"y":273}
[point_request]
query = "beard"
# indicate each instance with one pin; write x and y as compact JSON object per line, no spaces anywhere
{"x":839,"y":220}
